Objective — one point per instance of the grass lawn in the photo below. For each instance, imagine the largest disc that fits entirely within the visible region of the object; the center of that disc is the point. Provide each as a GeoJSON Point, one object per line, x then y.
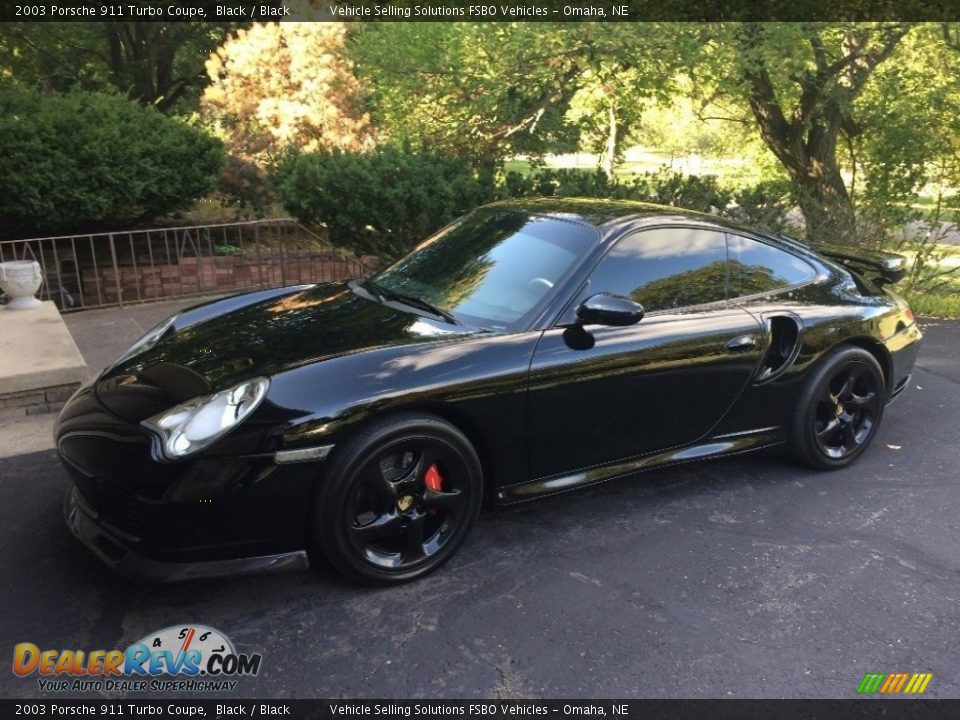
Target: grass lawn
{"type": "Point", "coordinates": [639, 161]}
{"type": "Point", "coordinates": [943, 301]}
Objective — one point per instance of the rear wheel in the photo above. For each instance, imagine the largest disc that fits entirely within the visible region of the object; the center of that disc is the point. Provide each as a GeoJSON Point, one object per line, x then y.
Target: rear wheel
{"type": "Point", "coordinates": [840, 409]}
{"type": "Point", "coordinates": [398, 499]}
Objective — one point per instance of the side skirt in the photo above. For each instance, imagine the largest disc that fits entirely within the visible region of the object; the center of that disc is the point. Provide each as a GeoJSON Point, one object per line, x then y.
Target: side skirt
{"type": "Point", "coordinates": [713, 447]}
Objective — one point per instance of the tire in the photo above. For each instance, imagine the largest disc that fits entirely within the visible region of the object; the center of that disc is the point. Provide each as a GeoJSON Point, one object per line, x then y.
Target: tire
{"type": "Point", "coordinates": [839, 410]}
{"type": "Point", "coordinates": [398, 499]}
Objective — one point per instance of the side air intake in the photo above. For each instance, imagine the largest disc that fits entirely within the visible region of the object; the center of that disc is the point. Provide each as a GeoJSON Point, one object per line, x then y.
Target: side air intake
{"type": "Point", "coordinates": [783, 333]}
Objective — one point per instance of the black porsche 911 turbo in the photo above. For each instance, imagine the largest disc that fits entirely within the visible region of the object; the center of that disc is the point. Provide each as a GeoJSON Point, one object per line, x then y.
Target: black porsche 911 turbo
{"type": "Point", "coordinates": [529, 348]}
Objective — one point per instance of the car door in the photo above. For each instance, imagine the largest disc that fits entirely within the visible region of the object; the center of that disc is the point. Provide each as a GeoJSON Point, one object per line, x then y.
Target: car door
{"type": "Point", "coordinates": [602, 394]}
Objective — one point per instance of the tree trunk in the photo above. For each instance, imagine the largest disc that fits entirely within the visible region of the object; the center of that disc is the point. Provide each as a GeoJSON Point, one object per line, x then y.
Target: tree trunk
{"type": "Point", "coordinates": [610, 150]}
{"type": "Point", "coordinates": [809, 155]}
{"type": "Point", "coordinates": [826, 206]}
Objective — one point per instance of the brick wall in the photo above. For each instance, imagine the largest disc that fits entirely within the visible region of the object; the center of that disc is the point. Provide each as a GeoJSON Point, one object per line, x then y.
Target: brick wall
{"type": "Point", "coordinates": [34, 402]}
{"type": "Point", "coordinates": [212, 274]}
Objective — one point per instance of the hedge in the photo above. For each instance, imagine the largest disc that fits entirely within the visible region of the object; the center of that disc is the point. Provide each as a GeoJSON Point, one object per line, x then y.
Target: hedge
{"type": "Point", "coordinates": [78, 161]}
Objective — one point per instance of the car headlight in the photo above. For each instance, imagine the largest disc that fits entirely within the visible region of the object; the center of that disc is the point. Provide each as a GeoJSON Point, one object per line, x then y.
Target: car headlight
{"type": "Point", "coordinates": [192, 426]}
{"type": "Point", "coordinates": [148, 340]}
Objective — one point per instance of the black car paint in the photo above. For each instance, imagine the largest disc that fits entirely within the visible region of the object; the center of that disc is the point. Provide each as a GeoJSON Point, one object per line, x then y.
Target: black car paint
{"type": "Point", "coordinates": [545, 413]}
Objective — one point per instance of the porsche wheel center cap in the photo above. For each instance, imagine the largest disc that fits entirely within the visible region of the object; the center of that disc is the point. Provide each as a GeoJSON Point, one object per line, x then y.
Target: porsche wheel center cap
{"type": "Point", "coordinates": [405, 503]}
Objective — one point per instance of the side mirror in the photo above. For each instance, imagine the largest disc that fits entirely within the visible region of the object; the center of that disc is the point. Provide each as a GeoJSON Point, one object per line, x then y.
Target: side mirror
{"type": "Point", "coordinates": [609, 309]}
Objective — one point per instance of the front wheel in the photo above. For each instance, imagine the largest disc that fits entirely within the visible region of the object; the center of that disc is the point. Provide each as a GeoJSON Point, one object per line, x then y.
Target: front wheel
{"type": "Point", "coordinates": [840, 409]}
{"type": "Point", "coordinates": [398, 499]}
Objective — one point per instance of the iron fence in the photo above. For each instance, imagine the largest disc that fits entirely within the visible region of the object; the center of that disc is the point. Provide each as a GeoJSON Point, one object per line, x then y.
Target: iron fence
{"type": "Point", "coordinates": [109, 269]}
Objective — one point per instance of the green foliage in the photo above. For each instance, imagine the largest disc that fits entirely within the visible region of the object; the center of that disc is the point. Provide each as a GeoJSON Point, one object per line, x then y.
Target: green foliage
{"type": "Point", "coordinates": [562, 182]}
{"type": "Point", "coordinates": [383, 202]}
{"type": "Point", "coordinates": [155, 63]}
{"type": "Point", "coordinates": [907, 138]}
{"type": "Point", "coordinates": [801, 82]}
{"type": "Point", "coordinates": [480, 91]}
{"type": "Point", "coordinates": [939, 305]}
{"type": "Point", "coordinates": [765, 205]}
{"type": "Point", "coordinates": [687, 191]}
{"type": "Point", "coordinates": [664, 187]}
{"type": "Point", "coordinates": [228, 249]}
{"type": "Point", "coordinates": [80, 160]}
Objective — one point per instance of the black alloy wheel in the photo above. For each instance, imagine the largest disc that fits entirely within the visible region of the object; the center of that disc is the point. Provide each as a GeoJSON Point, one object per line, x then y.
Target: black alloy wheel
{"type": "Point", "coordinates": [840, 409]}
{"type": "Point", "coordinates": [846, 412]}
{"type": "Point", "coordinates": [398, 500]}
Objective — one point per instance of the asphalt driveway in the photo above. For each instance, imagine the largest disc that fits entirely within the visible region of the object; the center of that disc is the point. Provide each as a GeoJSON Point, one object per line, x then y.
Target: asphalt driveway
{"type": "Point", "coordinates": [749, 577]}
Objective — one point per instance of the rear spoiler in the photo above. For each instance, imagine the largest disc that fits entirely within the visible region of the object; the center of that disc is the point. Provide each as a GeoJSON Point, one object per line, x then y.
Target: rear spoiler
{"type": "Point", "coordinates": [877, 265]}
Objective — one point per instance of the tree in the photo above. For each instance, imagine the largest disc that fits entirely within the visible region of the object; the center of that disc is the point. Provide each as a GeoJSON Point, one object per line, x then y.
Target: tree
{"type": "Point", "coordinates": [801, 82]}
{"type": "Point", "coordinates": [481, 91]}
{"type": "Point", "coordinates": [280, 84]}
{"type": "Point", "coordinates": [157, 63]}
{"type": "Point", "coordinates": [154, 63]}
{"type": "Point", "coordinates": [475, 91]}
{"type": "Point", "coordinates": [909, 122]}
{"type": "Point", "coordinates": [607, 105]}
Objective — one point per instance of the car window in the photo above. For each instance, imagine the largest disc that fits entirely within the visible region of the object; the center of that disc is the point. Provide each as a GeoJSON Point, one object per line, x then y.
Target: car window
{"type": "Point", "coordinates": [664, 268]}
{"type": "Point", "coordinates": [756, 267]}
{"type": "Point", "coordinates": [492, 269]}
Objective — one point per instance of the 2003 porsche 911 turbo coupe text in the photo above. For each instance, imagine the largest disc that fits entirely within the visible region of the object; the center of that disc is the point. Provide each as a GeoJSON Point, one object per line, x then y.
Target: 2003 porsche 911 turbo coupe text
{"type": "Point", "coordinates": [529, 348]}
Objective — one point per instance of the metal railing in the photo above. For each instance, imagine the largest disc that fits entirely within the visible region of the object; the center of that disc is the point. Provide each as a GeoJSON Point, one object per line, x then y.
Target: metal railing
{"type": "Point", "coordinates": [116, 268]}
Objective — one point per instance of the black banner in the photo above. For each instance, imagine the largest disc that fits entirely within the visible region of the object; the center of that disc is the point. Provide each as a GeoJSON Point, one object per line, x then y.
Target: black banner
{"type": "Point", "coordinates": [478, 11]}
{"type": "Point", "coordinates": [858, 709]}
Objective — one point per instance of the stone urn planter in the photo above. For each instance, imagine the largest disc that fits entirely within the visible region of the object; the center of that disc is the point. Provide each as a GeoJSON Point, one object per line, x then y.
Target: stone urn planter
{"type": "Point", "coordinates": [20, 280]}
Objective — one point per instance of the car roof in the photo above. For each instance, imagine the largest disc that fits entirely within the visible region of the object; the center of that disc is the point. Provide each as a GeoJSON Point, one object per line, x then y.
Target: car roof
{"type": "Point", "coordinates": [609, 215]}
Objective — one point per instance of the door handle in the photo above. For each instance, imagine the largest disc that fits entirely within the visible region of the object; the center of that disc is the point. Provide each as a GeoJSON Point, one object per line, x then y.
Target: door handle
{"type": "Point", "coordinates": [742, 343]}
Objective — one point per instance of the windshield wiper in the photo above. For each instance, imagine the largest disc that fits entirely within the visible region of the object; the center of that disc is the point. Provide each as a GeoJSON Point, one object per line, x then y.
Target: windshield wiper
{"type": "Point", "coordinates": [371, 287]}
{"type": "Point", "coordinates": [412, 300]}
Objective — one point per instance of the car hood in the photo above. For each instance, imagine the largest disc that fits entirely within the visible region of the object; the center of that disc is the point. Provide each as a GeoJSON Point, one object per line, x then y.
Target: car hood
{"type": "Point", "coordinates": [261, 339]}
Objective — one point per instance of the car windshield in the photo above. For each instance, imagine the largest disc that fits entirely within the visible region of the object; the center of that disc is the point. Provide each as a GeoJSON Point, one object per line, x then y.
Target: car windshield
{"type": "Point", "coordinates": [492, 269]}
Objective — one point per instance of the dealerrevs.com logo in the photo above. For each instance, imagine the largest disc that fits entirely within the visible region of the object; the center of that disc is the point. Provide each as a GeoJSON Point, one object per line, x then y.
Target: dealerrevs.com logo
{"type": "Point", "coordinates": [180, 657]}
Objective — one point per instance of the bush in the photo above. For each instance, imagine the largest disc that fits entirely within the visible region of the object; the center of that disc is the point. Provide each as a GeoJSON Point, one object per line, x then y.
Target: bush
{"type": "Point", "coordinates": [243, 185]}
{"type": "Point", "coordinates": [766, 205]}
{"type": "Point", "coordinates": [387, 201]}
{"type": "Point", "coordinates": [664, 187]}
{"type": "Point", "coordinates": [693, 192]}
{"type": "Point", "coordinates": [383, 202]}
{"type": "Point", "coordinates": [79, 161]}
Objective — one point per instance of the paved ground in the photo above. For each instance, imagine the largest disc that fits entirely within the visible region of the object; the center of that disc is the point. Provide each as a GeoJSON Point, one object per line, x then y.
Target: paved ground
{"type": "Point", "coordinates": [742, 578]}
{"type": "Point", "coordinates": [101, 336]}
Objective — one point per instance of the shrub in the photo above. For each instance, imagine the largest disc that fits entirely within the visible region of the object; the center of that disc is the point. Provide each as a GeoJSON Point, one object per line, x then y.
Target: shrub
{"type": "Point", "coordinates": [78, 161]}
{"type": "Point", "coordinates": [766, 205]}
{"type": "Point", "coordinates": [383, 202]}
{"type": "Point", "coordinates": [243, 185]}
{"type": "Point", "coordinates": [687, 191]}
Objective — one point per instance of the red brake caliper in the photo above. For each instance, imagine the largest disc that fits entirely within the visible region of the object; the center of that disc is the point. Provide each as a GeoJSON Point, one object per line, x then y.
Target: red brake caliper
{"type": "Point", "coordinates": [434, 481]}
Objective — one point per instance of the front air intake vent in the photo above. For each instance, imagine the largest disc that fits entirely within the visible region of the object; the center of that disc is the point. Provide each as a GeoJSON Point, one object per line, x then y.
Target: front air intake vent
{"type": "Point", "coordinates": [783, 333]}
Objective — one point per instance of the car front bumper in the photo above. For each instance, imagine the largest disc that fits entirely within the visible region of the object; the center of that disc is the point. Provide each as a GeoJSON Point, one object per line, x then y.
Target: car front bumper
{"type": "Point", "coordinates": [213, 514]}
{"type": "Point", "coordinates": [113, 550]}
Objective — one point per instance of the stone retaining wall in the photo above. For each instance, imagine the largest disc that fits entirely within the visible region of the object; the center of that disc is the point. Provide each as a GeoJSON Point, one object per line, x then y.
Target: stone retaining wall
{"type": "Point", "coordinates": [34, 402]}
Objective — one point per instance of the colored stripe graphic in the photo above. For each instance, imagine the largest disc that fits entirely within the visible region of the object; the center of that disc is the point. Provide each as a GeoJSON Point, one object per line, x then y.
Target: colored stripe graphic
{"type": "Point", "coordinates": [889, 683]}
{"type": "Point", "coordinates": [870, 683]}
{"type": "Point", "coordinates": [894, 683]}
